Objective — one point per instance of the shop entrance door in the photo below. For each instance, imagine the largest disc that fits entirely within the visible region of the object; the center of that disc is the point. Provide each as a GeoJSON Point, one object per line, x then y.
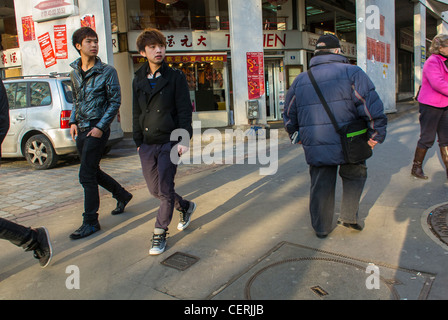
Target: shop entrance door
{"type": "Point", "coordinates": [272, 80]}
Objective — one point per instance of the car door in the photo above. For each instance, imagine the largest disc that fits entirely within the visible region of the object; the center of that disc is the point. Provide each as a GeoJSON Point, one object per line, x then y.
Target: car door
{"type": "Point", "coordinates": [18, 100]}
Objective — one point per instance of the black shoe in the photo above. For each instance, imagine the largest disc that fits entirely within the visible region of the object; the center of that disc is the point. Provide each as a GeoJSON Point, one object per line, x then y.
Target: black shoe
{"type": "Point", "coordinates": [321, 235]}
{"type": "Point", "coordinates": [354, 226]}
{"type": "Point", "coordinates": [43, 251]}
{"type": "Point", "coordinates": [121, 204]}
{"type": "Point", "coordinates": [85, 230]}
{"type": "Point", "coordinates": [185, 216]}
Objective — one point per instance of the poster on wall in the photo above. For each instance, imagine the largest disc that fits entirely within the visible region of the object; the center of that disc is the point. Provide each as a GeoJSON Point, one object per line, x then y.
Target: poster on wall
{"type": "Point", "coordinates": [47, 50]}
{"type": "Point", "coordinates": [88, 20]}
{"type": "Point", "coordinates": [255, 74]}
{"type": "Point", "coordinates": [29, 33]}
{"type": "Point", "coordinates": [60, 41]}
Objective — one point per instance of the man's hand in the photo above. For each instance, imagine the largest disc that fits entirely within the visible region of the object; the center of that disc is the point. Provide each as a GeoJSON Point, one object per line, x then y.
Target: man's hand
{"type": "Point", "coordinates": [95, 132]}
{"type": "Point", "coordinates": [181, 149]}
{"type": "Point", "coordinates": [74, 131]}
{"type": "Point", "coordinates": [372, 143]}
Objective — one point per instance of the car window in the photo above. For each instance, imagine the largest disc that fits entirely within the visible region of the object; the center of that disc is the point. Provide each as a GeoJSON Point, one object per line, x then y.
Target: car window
{"type": "Point", "coordinates": [40, 94]}
{"type": "Point", "coordinates": [68, 90]}
{"type": "Point", "coordinates": [16, 93]}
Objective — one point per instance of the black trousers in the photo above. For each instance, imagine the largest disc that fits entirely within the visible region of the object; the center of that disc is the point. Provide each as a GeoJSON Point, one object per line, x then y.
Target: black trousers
{"type": "Point", "coordinates": [433, 121]}
{"type": "Point", "coordinates": [159, 172]}
{"type": "Point", "coordinates": [15, 233]}
{"type": "Point", "coordinates": [322, 195]}
{"type": "Point", "coordinates": [90, 150]}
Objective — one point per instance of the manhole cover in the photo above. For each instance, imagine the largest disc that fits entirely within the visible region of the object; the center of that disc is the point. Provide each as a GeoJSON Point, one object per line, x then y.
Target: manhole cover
{"type": "Point", "coordinates": [296, 272]}
{"type": "Point", "coordinates": [180, 261]}
{"type": "Point", "coordinates": [438, 222]}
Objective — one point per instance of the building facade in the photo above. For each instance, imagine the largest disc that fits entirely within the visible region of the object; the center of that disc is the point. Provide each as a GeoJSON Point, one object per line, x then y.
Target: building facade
{"type": "Point", "coordinates": [234, 53]}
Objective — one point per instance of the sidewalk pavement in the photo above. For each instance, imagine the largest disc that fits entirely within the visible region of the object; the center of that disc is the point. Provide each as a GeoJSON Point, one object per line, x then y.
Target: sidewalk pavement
{"type": "Point", "coordinates": [250, 237]}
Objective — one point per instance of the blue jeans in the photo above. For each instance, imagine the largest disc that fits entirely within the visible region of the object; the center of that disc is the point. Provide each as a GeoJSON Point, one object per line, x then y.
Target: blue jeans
{"type": "Point", "coordinates": [90, 150]}
{"type": "Point", "coordinates": [159, 172]}
{"type": "Point", "coordinates": [322, 195]}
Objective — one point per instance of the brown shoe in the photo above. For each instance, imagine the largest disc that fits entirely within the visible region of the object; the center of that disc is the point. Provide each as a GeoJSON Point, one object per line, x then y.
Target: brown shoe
{"type": "Point", "coordinates": [417, 170]}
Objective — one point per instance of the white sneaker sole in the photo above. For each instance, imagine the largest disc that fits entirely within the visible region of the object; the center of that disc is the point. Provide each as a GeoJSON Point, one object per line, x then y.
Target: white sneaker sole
{"type": "Point", "coordinates": [181, 226]}
{"type": "Point", "coordinates": [156, 251]}
{"type": "Point", "coordinates": [51, 248]}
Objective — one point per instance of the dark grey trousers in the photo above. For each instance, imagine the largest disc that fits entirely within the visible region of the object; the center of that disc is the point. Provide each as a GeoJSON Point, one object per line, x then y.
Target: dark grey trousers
{"type": "Point", "coordinates": [322, 195]}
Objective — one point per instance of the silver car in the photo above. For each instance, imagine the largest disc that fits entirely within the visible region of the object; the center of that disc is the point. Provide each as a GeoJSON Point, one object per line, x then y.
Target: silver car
{"type": "Point", "coordinates": [39, 111]}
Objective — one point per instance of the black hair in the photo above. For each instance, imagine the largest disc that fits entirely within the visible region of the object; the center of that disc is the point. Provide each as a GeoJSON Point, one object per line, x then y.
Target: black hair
{"type": "Point", "coordinates": [82, 33]}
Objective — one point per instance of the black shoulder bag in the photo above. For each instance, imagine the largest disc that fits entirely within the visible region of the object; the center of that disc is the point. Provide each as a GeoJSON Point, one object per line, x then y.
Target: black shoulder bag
{"type": "Point", "coordinates": [353, 135]}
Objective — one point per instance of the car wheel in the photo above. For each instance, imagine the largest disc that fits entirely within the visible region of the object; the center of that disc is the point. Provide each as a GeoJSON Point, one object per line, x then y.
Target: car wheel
{"type": "Point", "coordinates": [40, 153]}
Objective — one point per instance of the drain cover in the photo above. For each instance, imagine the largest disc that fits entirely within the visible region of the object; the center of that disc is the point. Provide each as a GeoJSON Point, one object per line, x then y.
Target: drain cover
{"type": "Point", "coordinates": [319, 291]}
{"type": "Point", "coordinates": [437, 221]}
{"type": "Point", "coordinates": [180, 261]}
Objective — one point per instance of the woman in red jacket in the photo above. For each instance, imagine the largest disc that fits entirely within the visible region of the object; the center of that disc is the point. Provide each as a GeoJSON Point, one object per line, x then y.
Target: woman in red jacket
{"type": "Point", "coordinates": [433, 99]}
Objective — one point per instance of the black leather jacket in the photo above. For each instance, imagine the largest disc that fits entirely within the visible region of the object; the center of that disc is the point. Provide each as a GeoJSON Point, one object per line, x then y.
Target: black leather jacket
{"type": "Point", "coordinates": [96, 96]}
{"type": "Point", "coordinates": [158, 112]}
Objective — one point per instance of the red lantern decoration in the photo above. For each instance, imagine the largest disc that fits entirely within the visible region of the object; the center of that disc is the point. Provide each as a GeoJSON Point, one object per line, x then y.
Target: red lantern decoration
{"type": "Point", "coordinates": [277, 2]}
{"type": "Point", "coordinates": [167, 2]}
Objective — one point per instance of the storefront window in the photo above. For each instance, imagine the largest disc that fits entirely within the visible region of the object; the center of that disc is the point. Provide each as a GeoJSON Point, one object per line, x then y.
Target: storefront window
{"type": "Point", "coordinates": [178, 14]}
{"type": "Point", "coordinates": [10, 60]}
{"type": "Point", "coordinates": [205, 75]}
{"type": "Point", "coordinates": [277, 14]}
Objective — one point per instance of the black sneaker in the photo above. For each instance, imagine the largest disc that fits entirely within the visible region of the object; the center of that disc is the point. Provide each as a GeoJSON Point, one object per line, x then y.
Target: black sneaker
{"type": "Point", "coordinates": [121, 204]}
{"type": "Point", "coordinates": [43, 252]}
{"type": "Point", "coordinates": [158, 244]}
{"type": "Point", "coordinates": [185, 216]}
{"type": "Point", "coordinates": [85, 230]}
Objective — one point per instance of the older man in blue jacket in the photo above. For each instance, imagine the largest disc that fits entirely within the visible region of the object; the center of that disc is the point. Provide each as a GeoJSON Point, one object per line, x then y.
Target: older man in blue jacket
{"type": "Point", "coordinates": [350, 95]}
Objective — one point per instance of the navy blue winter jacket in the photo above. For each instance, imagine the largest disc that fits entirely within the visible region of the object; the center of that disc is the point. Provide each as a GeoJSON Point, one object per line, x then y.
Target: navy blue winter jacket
{"type": "Point", "coordinates": [350, 94]}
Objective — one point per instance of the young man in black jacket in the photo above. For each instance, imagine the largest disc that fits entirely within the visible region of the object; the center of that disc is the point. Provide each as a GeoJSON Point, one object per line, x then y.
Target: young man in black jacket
{"type": "Point", "coordinates": [161, 104]}
{"type": "Point", "coordinates": [96, 100]}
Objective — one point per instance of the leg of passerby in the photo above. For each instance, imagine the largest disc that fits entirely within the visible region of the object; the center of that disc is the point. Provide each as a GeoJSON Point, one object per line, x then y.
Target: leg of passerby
{"type": "Point", "coordinates": [90, 150]}
{"type": "Point", "coordinates": [429, 121]}
{"type": "Point", "coordinates": [442, 134]}
{"type": "Point", "coordinates": [110, 184]}
{"type": "Point", "coordinates": [37, 240]}
{"type": "Point", "coordinates": [354, 177]}
{"type": "Point", "coordinates": [159, 173]}
{"type": "Point", "coordinates": [322, 197]}
{"type": "Point", "coordinates": [118, 192]}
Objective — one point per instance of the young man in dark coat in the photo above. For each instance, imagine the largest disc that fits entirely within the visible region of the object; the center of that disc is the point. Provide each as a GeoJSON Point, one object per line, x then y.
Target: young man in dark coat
{"type": "Point", "coordinates": [161, 104]}
{"type": "Point", "coordinates": [37, 240]}
{"type": "Point", "coordinates": [350, 95]}
{"type": "Point", "coordinates": [96, 101]}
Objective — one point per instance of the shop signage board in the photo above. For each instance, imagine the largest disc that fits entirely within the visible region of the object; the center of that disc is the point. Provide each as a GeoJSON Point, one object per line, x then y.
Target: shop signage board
{"type": "Point", "coordinates": [10, 58]}
{"type": "Point", "coordinates": [220, 41]}
{"type": "Point", "coordinates": [44, 10]}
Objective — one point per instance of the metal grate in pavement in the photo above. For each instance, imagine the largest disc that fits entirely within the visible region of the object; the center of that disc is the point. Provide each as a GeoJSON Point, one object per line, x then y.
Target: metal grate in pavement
{"type": "Point", "coordinates": [180, 261]}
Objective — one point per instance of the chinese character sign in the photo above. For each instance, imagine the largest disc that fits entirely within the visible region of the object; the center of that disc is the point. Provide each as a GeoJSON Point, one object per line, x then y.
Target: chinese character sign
{"type": "Point", "coordinates": [255, 74]}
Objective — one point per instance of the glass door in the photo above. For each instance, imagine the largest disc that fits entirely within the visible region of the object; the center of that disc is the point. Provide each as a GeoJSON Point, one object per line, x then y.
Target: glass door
{"type": "Point", "coordinates": [272, 78]}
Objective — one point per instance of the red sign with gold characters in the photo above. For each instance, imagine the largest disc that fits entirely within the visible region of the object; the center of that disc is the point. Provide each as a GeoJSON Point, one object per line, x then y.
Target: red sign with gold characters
{"type": "Point", "coordinates": [255, 74]}
{"type": "Point", "coordinates": [28, 28]}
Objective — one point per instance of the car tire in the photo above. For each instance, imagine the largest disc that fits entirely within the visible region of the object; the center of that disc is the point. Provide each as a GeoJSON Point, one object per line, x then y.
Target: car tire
{"type": "Point", "coordinates": [39, 152]}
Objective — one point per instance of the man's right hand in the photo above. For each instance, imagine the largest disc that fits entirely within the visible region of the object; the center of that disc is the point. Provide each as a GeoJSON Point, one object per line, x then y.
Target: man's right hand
{"type": "Point", "coordinates": [74, 131]}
